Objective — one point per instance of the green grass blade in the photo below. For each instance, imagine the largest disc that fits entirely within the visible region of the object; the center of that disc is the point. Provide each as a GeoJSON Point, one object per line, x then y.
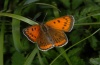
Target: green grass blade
{"type": "Point", "coordinates": [6, 3]}
{"type": "Point", "coordinates": [2, 42]}
{"type": "Point", "coordinates": [96, 23]}
{"type": "Point", "coordinates": [16, 31]}
{"type": "Point", "coordinates": [61, 50]}
{"type": "Point", "coordinates": [19, 18]}
{"type": "Point", "coordinates": [31, 57]}
{"type": "Point", "coordinates": [55, 11]}
{"type": "Point", "coordinates": [74, 45]}
{"type": "Point", "coordinates": [16, 34]}
{"type": "Point", "coordinates": [40, 59]}
{"type": "Point", "coordinates": [88, 16]}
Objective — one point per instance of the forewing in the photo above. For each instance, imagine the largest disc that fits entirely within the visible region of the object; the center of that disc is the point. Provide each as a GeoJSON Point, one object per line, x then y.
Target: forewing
{"type": "Point", "coordinates": [64, 23]}
{"type": "Point", "coordinates": [32, 32]}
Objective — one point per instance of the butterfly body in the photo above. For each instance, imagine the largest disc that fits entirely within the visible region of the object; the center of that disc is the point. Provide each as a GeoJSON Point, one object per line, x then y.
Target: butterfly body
{"type": "Point", "coordinates": [51, 34]}
{"type": "Point", "coordinates": [45, 29]}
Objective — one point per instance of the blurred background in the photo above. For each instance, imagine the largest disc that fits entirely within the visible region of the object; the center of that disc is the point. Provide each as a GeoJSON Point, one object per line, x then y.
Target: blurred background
{"type": "Point", "coordinates": [83, 47]}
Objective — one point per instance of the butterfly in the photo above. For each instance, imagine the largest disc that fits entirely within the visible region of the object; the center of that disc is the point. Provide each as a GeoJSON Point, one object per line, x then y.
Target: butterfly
{"type": "Point", "coordinates": [51, 34]}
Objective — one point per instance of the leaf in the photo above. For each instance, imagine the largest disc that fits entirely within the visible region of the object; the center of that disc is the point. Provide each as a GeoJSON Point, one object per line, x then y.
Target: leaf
{"type": "Point", "coordinates": [18, 59]}
{"type": "Point", "coordinates": [51, 54]}
{"type": "Point", "coordinates": [60, 61]}
{"type": "Point", "coordinates": [95, 61]}
{"type": "Point", "coordinates": [74, 51]}
{"type": "Point", "coordinates": [77, 61]}
{"type": "Point", "coordinates": [74, 37]}
{"type": "Point", "coordinates": [89, 2]}
{"type": "Point", "coordinates": [98, 1]}
{"type": "Point", "coordinates": [76, 3]}
{"type": "Point", "coordinates": [97, 18]}
{"type": "Point", "coordinates": [89, 9]}
{"type": "Point", "coordinates": [66, 3]}
{"type": "Point", "coordinates": [93, 42]}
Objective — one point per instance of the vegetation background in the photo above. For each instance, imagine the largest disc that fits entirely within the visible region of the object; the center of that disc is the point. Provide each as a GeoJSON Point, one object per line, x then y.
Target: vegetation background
{"type": "Point", "coordinates": [84, 40]}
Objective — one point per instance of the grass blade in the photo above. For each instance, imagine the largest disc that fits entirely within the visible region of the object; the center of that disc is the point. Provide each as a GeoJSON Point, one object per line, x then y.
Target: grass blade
{"type": "Point", "coordinates": [2, 42]}
{"type": "Point", "coordinates": [19, 18]}
{"type": "Point", "coordinates": [61, 50]}
{"type": "Point", "coordinates": [40, 59]}
{"type": "Point", "coordinates": [31, 57]}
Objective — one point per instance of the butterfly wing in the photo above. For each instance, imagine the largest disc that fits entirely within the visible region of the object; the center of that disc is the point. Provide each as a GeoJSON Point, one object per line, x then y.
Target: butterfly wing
{"type": "Point", "coordinates": [43, 41]}
{"type": "Point", "coordinates": [64, 23]}
{"type": "Point", "coordinates": [59, 37]}
{"type": "Point", "coordinates": [32, 32]}
{"type": "Point", "coordinates": [35, 34]}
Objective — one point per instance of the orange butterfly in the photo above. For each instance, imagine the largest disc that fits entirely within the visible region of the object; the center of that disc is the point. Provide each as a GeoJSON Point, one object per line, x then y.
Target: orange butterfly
{"type": "Point", "coordinates": [51, 34]}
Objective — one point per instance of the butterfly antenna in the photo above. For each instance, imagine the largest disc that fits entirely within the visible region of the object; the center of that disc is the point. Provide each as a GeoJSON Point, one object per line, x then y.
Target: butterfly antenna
{"type": "Point", "coordinates": [44, 17]}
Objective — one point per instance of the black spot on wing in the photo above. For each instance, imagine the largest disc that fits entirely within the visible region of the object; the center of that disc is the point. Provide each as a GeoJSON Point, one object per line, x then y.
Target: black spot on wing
{"type": "Point", "coordinates": [65, 18]}
{"type": "Point", "coordinates": [32, 29]}
{"type": "Point", "coordinates": [64, 24]}
{"type": "Point", "coordinates": [34, 36]}
{"type": "Point", "coordinates": [58, 21]}
{"type": "Point", "coordinates": [63, 27]}
{"type": "Point", "coordinates": [54, 22]}
{"type": "Point", "coordinates": [30, 34]}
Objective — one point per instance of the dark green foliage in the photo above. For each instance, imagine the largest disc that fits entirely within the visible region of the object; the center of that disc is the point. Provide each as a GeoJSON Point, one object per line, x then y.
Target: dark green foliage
{"type": "Point", "coordinates": [18, 59]}
{"type": "Point", "coordinates": [95, 61]}
{"type": "Point", "coordinates": [84, 40]}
